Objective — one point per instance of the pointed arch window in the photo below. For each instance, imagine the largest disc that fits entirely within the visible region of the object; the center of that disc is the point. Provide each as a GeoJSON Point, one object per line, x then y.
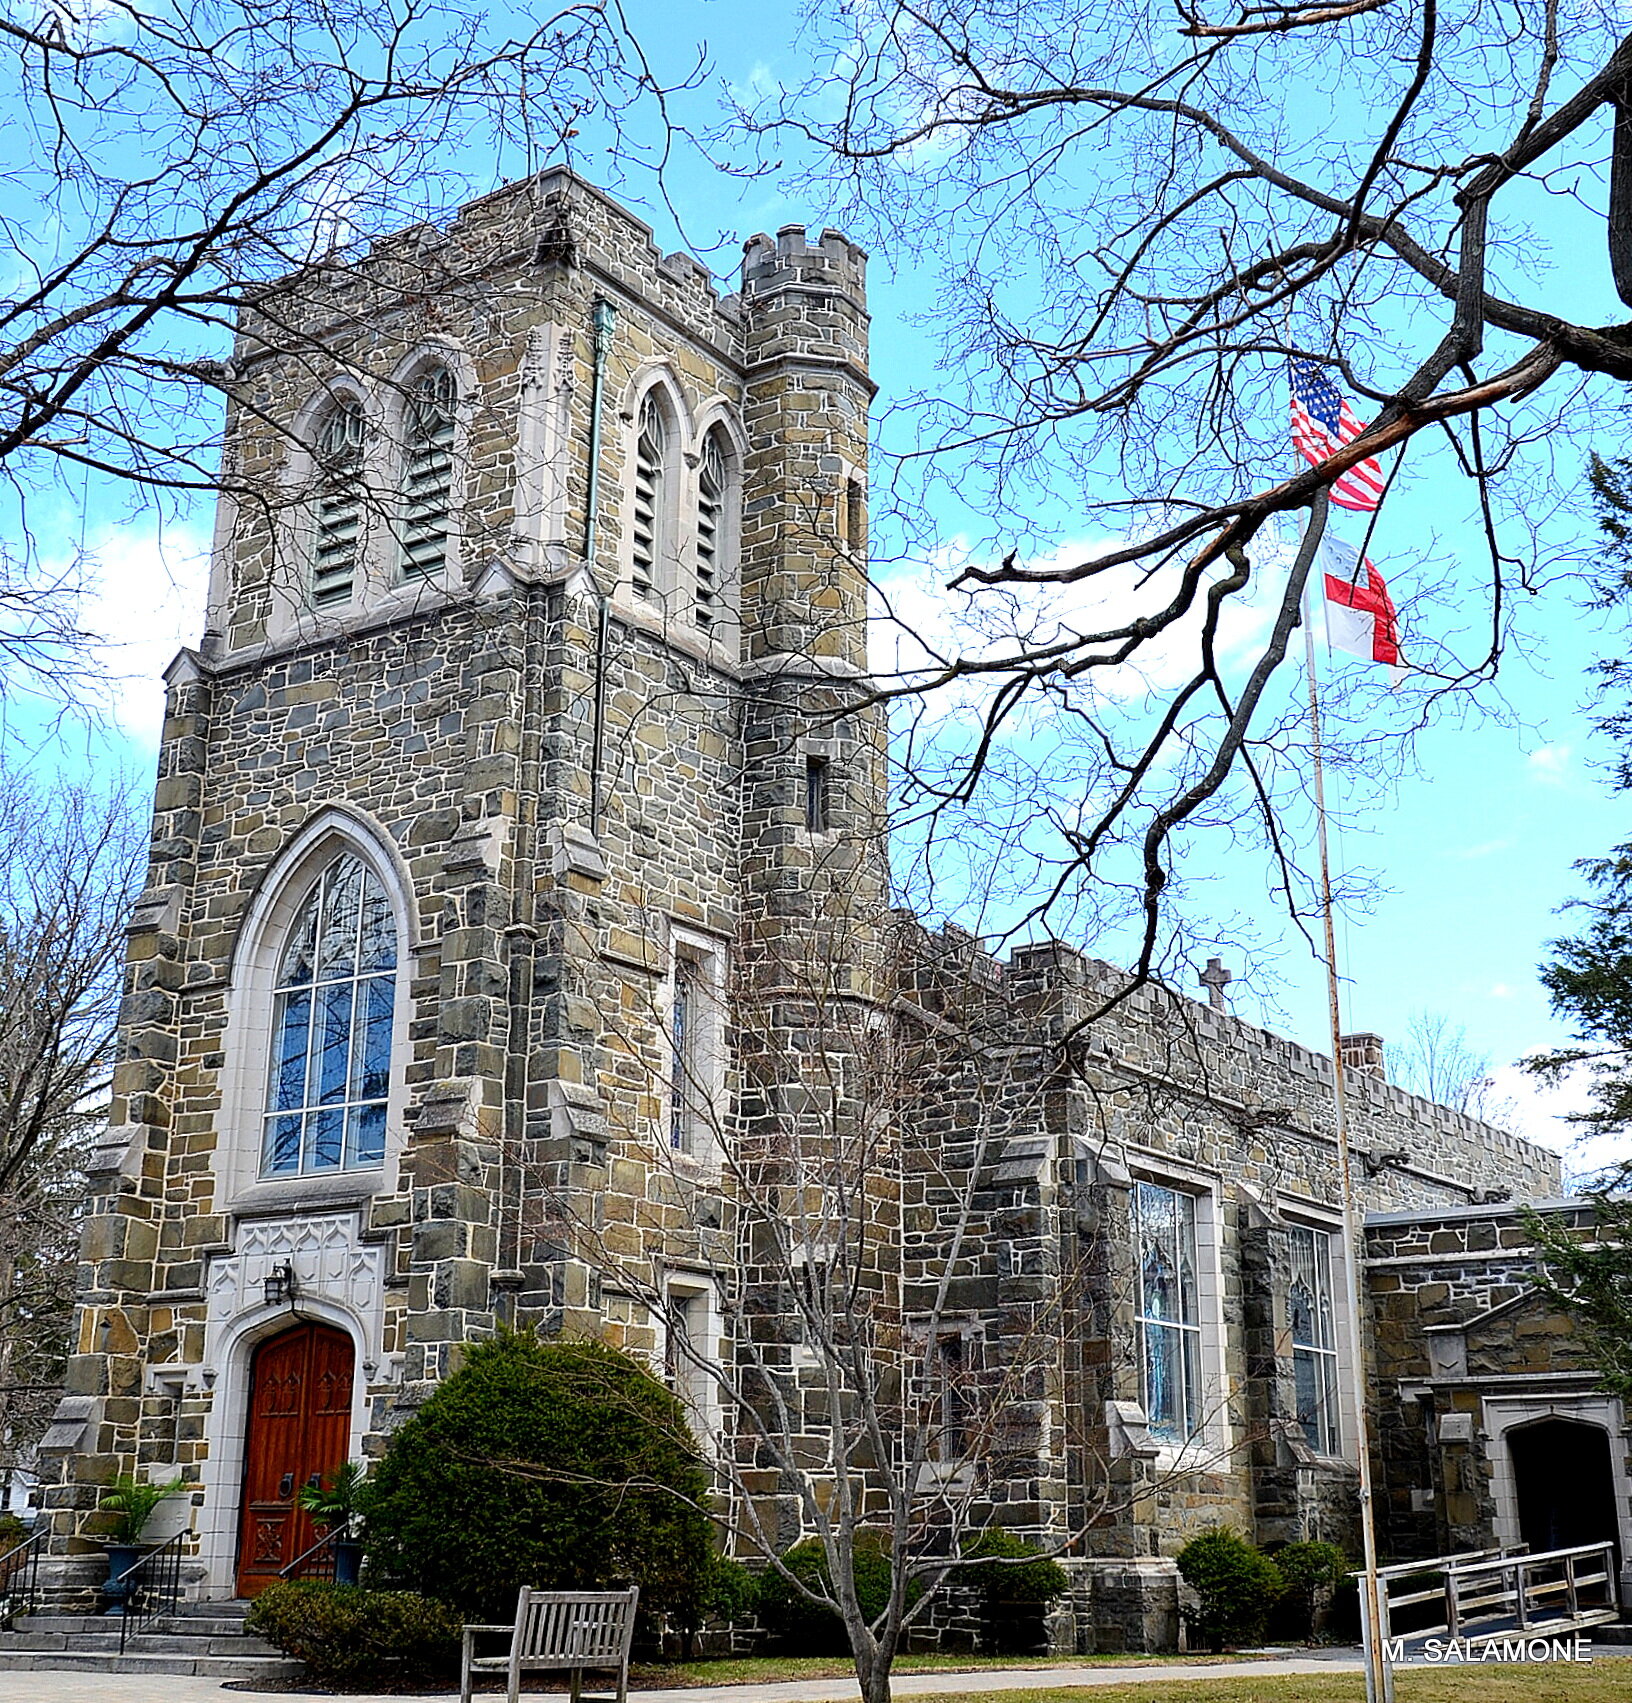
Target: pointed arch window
{"type": "Point", "coordinates": [1169, 1320]}
{"type": "Point", "coordinates": [337, 547]}
{"type": "Point", "coordinates": [708, 591]}
{"type": "Point", "coordinates": [651, 450]}
{"type": "Point", "coordinates": [427, 475]}
{"type": "Point", "coordinates": [331, 1029]}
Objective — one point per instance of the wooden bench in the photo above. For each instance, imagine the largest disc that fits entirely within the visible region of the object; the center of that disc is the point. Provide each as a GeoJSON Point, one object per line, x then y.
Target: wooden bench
{"type": "Point", "coordinates": [559, 1631]}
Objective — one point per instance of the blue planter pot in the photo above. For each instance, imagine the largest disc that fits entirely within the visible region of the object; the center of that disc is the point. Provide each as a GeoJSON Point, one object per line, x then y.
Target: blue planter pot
{"type": "Point", "coordinates": [121, 1558]}
{"type": "Point", "coordinates": [348, 1561]}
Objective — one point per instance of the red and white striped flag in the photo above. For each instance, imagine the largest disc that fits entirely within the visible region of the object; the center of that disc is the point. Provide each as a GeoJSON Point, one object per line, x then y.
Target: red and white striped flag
{"type": "Point", "coordinates": [1322, 422]}
{"type": "Point", "coordinates": [1360, 615]}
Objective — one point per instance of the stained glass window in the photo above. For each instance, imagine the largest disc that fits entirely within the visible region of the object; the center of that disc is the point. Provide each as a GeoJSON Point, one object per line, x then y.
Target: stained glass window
{"type": "Point", "coordinates": [331, 1031]}
{"type": "Point", "coordinates": [1314, 1337]}
{"type": "Point", "coordinates": [1169, 1320]}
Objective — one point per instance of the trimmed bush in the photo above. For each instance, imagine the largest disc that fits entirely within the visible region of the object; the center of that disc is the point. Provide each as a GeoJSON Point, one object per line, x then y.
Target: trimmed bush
{"type": "Point", "coordinates": [1237, 1586]}
{"type": "Point", "coordinates": [730, 1591]}
{"type": "Point", "coordinates": [1311, 1575]}
{"type": "Point", "coordinates": [799, 1627]}
{"type": "Point", "coordinates": [1016, 1586]}
{"type": "Point", "coordinates": [345, 1633]}
{"type": "Point", "coordinates": [561, 1465]}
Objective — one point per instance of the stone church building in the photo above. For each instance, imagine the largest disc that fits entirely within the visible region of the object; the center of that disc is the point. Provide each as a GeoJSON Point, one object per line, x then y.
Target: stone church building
{"type": "Point", "coordinates": [517, 866]}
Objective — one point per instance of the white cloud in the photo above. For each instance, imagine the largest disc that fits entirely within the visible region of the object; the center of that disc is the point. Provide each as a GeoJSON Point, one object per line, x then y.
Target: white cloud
{"type": "Point", "coordinates": [148, 601]}
{"type": "Point", "coordinates": [1541, 1112]}
{"type": "Point", "coordinates": [1486, 848]}
{"type": "Point", "coordinates": [1550, 764]}
{"type": "Point", "coordinates": [918, 622]}
{"type": "Point", "coordinates": [1500, 990]}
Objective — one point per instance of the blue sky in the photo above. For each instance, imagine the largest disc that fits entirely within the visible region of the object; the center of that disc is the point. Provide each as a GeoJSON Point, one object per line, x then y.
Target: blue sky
{"type": "Point", "coordinates": [1471, 850]}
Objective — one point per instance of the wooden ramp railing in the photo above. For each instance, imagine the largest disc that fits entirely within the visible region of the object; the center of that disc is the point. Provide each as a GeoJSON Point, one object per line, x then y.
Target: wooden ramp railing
{"type": "Point", "coordinates": [1499, 1593]}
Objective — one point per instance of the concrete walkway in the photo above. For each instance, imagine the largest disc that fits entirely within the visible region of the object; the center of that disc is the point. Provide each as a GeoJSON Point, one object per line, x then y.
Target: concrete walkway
{"type": "Point", "coordinates": [167, 1688]}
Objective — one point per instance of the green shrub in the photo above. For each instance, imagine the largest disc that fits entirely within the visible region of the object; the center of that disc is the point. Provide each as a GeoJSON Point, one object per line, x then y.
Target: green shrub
{"type": "Point", "coordinates": [346, 1632]}
{"type": "Point", "coordinates": [1237, 1585]}
{"type": "Point", "coordinates": [799, 1627]}
{"type": "Point", "coordinates": [730, 1591]}
{"type": "Point", "coordinates": [562, 1465]}
{"type": "Point", "coordinates": [12, 1532]}
{"type": "Point", "coordinates": [1016, 1586]}
{"type": "Point", "coordinates": [1311, 1575]}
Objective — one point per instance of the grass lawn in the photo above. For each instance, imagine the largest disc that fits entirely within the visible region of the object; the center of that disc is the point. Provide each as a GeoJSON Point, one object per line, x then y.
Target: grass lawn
{"type": "Point", "coordinates": [769, 1670]}
{"type": "Point", "coordinates": [1608, 1680]}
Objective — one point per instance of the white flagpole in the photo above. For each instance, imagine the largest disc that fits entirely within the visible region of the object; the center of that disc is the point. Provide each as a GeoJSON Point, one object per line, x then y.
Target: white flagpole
{"type": "Point", "coordinates": [1379, 1672]}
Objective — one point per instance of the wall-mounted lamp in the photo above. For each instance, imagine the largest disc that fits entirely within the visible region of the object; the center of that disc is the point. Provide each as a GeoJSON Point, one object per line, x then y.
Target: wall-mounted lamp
{"type": "Point", "coordinates": [281, 1286]}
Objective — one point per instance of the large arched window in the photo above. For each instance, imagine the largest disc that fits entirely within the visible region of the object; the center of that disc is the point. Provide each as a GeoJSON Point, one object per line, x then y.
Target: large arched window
{"type": "Point", "coordinates": [337, 545]}
{"type": "Point", "coordinates": [427, 475]}
{"type": "Point", "coordinates": [331, 1029]}
{"type": "Point", "coordinates": [651, 453]}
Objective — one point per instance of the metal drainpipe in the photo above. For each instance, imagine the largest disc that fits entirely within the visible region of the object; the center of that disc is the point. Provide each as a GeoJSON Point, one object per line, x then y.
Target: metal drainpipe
{"type": "Point", "coordinates": [602, 317]}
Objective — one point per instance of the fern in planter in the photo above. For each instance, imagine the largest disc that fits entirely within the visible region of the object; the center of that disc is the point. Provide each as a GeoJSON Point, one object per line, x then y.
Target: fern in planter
{"type": "Point", "coordinates": [342, 1502]}
{"type": "Point", "coordinates": [135, 1501]}
{"type": "Point", "coordinates": [341, 1507]}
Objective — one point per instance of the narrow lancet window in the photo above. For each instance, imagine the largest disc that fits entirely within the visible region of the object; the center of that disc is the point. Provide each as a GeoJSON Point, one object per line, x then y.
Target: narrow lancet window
{"type": "Point", "coordinates": [337, 548]}
{"type": "Point", "coordinates": [427, 476]}
{"type": "Point", "coordinates": [648, 503]}
{"type": "Point", "coordinates": [711, 487]}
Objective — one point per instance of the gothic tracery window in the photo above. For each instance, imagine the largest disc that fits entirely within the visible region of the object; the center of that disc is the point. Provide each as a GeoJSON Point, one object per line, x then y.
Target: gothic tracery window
{"type": "Point", "coordinates": [1314, 1337]}
{"type": "Point", "coordinates": [331, 1030]}
{"type": "Point", "coordinates": [337, 545]}
{"type": "Point", "coordinates": [427, 475]}
{"type": "Point", "coordinates": [1169, 1321]}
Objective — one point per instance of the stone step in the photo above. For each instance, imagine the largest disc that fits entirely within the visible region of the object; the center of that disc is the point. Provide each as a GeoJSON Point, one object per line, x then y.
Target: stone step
{"type": "Point", "coordinates": [203, 1666]}
{"type": "Point", "coordinates": [196, 1619]}
{"type": "Point", "coordinates": [224, 1608]}
{"type": "Point", "coordinates": [101, 1639]}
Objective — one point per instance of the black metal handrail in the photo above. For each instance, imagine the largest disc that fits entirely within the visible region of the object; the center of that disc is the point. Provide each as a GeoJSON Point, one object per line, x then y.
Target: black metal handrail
{"type": "Point", "coordinates": [20, 1577]}
{"type": "Point", "coordinates": [318, 1562]}
{"type": "Point", "coordinates": [155, 1587]}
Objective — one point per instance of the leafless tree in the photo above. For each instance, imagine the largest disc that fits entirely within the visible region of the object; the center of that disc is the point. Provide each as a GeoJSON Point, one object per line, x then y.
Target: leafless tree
{"type": "Point", "coordinates": [1436, 1060]}
{"type": "Point", "coordinates": [1136, 217]}
{"type": "Point", "coordinates": [162, 166]}
{"type": "Point", "coordinates": [885, 1346]}
{"type": "Point", "coordinates": [70, 861]}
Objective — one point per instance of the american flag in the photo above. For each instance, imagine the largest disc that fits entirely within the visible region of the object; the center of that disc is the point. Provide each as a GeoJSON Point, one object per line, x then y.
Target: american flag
{"type": "Point", "coordinates": [1323, 422]}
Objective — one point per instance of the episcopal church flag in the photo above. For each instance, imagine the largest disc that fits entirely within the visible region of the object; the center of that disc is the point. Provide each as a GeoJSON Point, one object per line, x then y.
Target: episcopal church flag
{"type": "Point", "coordinates": [1360, 616]}
{"type": "Point", "coordinates": [1322, 422]}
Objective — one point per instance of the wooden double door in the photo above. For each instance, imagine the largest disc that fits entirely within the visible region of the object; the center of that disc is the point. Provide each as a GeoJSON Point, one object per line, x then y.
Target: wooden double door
{"type": "Point", "coordinates": [299, 1432]}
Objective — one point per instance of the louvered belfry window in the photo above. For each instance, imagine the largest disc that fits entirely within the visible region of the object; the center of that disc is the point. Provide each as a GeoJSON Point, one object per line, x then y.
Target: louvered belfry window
{"type": "Point", "coordinates": [338, 544]}
{"type": "Point", "coordinates": [427, 476]}
{"type": "Point", "coordinates": [649, 454]}
{"type": "Point", "coordinates": [705, 609]}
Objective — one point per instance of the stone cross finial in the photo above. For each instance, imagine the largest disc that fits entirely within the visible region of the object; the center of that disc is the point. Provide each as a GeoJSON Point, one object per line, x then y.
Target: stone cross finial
{"type": "Point", "coordinates": [1215, 978]}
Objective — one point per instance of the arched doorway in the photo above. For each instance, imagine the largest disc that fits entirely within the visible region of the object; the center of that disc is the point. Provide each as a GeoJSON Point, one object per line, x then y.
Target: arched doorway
{"type": "Point", "coordinates": [1563, 1484]}
{"type": "Point", "coordinates": [299, 1429]}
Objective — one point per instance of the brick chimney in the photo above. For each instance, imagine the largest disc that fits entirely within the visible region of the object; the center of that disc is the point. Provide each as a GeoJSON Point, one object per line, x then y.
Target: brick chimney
{"type": "Point", "coordinates": [1362, 1053]}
